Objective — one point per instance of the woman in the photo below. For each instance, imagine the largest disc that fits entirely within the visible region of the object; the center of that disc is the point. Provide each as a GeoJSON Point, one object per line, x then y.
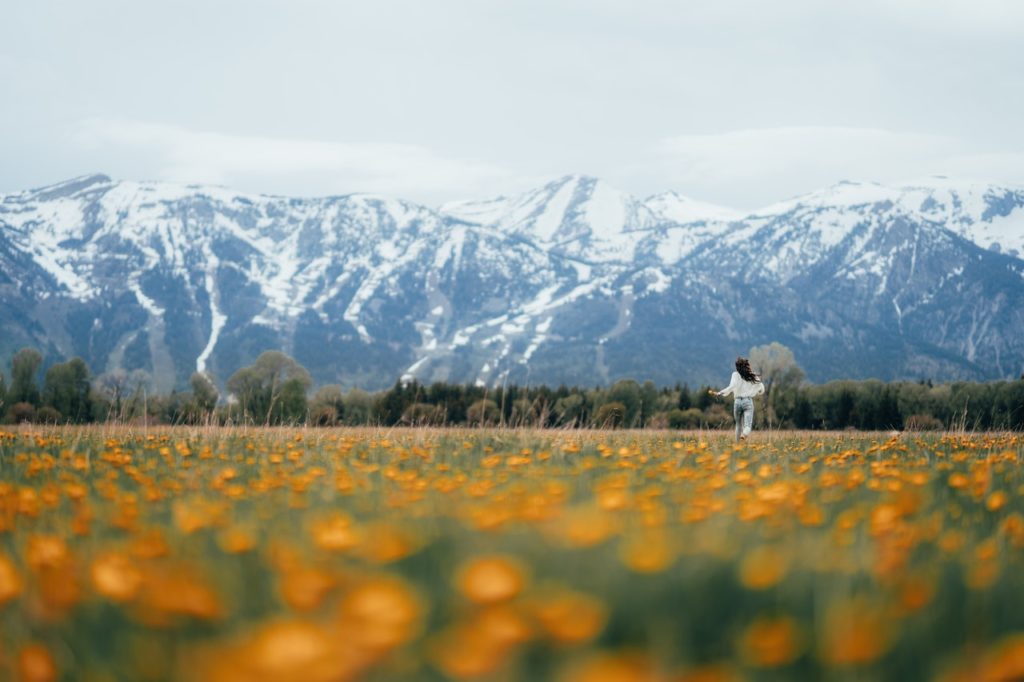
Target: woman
{"type": "Point", "coordinates": [744, 385]}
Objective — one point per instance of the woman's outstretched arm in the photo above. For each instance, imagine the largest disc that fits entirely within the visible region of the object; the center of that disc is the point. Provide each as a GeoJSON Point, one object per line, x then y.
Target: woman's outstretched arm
{"type": "Point", "coordinates": [733, 383]}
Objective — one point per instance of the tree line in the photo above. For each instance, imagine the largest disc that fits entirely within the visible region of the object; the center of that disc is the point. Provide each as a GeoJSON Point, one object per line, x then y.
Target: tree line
{"type": "Point", "coordinates": [276, 390]}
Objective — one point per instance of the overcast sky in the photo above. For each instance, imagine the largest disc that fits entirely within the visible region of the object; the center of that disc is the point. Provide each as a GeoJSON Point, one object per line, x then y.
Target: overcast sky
{"type": "Point", "coordinates": [736, 102]}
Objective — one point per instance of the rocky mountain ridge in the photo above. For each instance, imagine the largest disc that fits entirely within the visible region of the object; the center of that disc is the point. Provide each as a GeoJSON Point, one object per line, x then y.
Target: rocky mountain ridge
{"type": "Point", "coordinates": [572, 282]}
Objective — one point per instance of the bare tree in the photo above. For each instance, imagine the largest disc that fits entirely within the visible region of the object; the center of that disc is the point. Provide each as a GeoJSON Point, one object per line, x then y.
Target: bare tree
{"type": "Point", "coordinates": [778, 369]}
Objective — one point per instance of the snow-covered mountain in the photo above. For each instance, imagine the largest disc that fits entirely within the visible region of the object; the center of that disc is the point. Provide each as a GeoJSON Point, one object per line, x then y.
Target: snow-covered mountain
{"type": "Point", "coordinates": [572, 282]}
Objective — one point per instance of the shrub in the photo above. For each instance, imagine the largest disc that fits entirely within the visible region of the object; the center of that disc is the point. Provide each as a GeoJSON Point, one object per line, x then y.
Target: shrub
{"type": "Point", "coordinates": [482, 413]}
{"type": "Point", "coordinates": [717, 417]}
{"type": "Point", "coordinates": [610, 415]}
{"type": "Point", "coordinates": [525, 413]}
{"type": "Point", "coordinates": [47, 415]}
{"type": "Point", "coordinates": [423, 414]}
{"type": "Point", "coordinates": [923, 422]}
{"type": "Point", "coordinates": [658, 420]}
{"type": "Point", "coordinates": [20, 413]}
{"type": "Point", "coordinates": [690, 418]}
{"type": "Point", "coordinates": [324, 415]}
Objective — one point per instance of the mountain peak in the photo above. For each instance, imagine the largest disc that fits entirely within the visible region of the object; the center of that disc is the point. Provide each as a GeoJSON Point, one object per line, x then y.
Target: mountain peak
{"type": "Point", "coordinates": [577, 179]}
{"type": "Point", "coordinates": [567, 210]}
{"type": "Point", "coordinates": [570, 177]}
{"type": "Point", "coordinates": [70, 187]}
{"type": "Point", "coordinates": [676, 208]}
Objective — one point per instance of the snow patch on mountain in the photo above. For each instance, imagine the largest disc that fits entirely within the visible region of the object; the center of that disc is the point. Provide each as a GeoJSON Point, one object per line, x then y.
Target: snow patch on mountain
{"type": "Point", "coordinates": [217, 317]}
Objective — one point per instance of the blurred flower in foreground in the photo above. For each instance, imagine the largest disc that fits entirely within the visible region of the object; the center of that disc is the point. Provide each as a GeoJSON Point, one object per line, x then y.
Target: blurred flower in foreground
{"type": "Point", "coordinates": [483, 644]}
{"type": "Point", "coordinates": [1003, 662]}
{"type": "Point", "coordinates": [380, 614]}
{"type": "Point", "coordinates": [613, 667]}
{"type": "Point", "coordinates": [283, 651]}
{"type": "Point", "coordinates": [715, 672]}
{"type": "Point", "coordinates": [10, 580]}
{"type": "Point", "coordinates": [491, 579]}
{"type": "Point", "coordinates": [116, 577]}
{"type": "Point", "coordinates": [335, 533]}
{"type": "Point", "coordinates": [569, 617]}
{"type": "Point", "coordinates": [854, 632]}
{"type": "Point", "coordinates": [462, 652]}
{"type": "Point", "coordinates": [771, 642]}
{"type": "Point", "coordinates": [35, 664]}
{"type": "Point", "coordinates": [304, 588]}
{"type": "Point", "coordinates": [763, 567]}
{"type": "Point", "coordinates": [647, 552]}
{"type": "Point", "coordinates": [374, 618]}
{"type": "Point", "coordinates": [172, 591]}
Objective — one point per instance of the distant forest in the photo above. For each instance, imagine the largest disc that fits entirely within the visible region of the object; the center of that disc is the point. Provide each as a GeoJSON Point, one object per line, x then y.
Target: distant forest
{"type": "Point", "coordinates": [276, 390]}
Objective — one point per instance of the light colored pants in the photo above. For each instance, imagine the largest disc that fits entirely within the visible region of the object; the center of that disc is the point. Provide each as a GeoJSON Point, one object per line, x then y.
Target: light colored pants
{"type": "Point", "coordinates": [743, 413]}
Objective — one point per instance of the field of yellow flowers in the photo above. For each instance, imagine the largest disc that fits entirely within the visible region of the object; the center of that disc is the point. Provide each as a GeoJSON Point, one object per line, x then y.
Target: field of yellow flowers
{"type": "Point", "coordinates": [602, 556]}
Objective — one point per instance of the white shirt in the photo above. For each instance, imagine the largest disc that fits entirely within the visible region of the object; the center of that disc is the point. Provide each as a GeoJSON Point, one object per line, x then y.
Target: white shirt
{"type": "Point", "coordinates": [741, 388]}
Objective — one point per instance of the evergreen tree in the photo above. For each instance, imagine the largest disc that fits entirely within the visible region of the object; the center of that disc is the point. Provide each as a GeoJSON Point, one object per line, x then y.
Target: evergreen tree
{"type": "Point", "coordinates": [889, 410]}
{"type": "Point", "coordinates": [803, 415]}
{"type": "Point", "coordinates": [685, 402]}
{"type": "Point", "coordinates": [844, 409]}
{"type": "Point", "coordinates": [704, 399]}
{"type": "Point", "coordinates": [450, 398]}
{"type": "Point", "coordinates": [390, 406]}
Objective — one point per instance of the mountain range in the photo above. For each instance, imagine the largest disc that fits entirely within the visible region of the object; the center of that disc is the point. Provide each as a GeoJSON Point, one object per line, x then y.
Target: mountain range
{"type": "Point", "coordinates": [574, 282]}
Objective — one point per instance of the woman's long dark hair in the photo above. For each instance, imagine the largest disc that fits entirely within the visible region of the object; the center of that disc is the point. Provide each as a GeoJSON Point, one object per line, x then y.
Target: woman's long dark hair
{"type": "Point", "coordinates": [747, 374]}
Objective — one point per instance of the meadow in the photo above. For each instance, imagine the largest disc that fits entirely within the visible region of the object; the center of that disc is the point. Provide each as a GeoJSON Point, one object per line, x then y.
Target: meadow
{"type": "Point", "coordinates": [324, 555]}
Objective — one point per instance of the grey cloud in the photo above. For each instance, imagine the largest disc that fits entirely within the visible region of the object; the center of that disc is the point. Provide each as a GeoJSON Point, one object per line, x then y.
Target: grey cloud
{"type": "Point", "coordinates": [492, 93]}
